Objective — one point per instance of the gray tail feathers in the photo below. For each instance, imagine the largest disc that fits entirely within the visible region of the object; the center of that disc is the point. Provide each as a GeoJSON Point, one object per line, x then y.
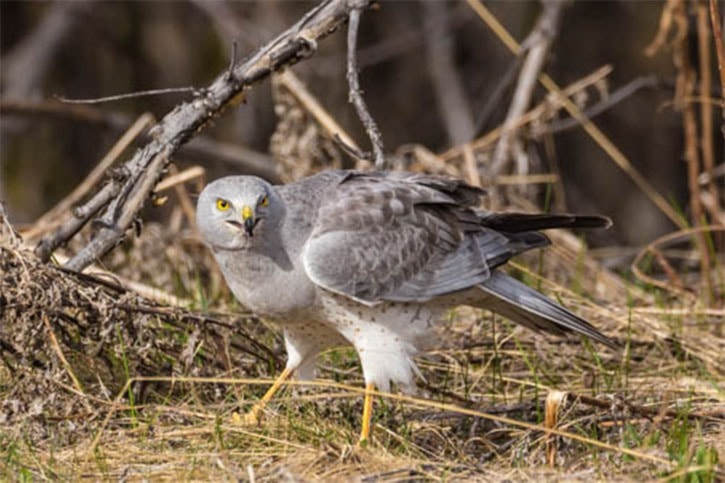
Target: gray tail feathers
{"type": "Point", "coordinates": [524, 305]}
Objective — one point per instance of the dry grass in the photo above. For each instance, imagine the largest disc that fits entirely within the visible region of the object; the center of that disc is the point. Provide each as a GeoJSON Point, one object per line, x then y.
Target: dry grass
{"type": "Point", "coordinates": [99, 382]}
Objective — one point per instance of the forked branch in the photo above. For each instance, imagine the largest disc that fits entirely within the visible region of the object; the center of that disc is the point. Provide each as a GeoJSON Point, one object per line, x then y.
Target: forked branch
{"type": "Point", "coordinates": [124, 194]}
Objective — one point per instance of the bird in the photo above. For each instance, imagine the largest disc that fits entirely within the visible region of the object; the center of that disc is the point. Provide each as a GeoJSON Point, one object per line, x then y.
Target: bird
{"type": "Point", "coordinates": [374, 260]}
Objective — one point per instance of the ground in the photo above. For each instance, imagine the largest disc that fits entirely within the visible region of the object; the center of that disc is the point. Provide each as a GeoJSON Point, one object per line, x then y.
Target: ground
{"type": "Point", "coordinates": [101, 382]}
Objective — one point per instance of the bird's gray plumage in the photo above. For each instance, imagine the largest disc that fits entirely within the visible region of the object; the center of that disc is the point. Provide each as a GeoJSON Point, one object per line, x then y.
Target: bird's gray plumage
{"type": "Point", "coordinates": [374, 260]}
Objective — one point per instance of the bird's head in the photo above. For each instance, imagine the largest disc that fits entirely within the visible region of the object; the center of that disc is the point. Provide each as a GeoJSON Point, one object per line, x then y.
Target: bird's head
{"type": "Point", "coordinates": [231, 211]}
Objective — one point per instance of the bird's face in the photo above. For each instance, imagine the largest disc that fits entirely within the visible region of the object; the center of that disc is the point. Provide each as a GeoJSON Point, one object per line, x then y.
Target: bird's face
{"type": "Point", "coordinates": [231, 211]}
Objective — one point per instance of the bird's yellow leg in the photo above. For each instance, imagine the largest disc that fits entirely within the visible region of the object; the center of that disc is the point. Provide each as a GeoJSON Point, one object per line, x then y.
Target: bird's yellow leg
{"type": "Point", "coordinates": [254, 414]}
{"type": "Point", "coordinates": [367, 413]}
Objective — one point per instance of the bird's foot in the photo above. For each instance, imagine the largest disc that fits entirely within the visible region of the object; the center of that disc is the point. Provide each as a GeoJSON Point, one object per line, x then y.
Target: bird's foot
{"type": "Point", "coordinates": [252, 418]}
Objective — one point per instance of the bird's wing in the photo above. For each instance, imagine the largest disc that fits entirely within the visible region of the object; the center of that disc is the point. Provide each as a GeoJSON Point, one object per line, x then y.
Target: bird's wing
{"type": "Point", "coordinates": [404, 237]}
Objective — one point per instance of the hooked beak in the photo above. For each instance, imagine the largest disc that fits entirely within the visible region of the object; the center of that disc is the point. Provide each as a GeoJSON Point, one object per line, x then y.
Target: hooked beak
{"type": "Point", "coordinates": [248, 218]}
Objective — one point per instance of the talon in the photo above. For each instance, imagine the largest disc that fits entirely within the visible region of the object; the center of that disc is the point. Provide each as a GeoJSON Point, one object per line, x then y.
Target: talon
{"type": "Point", "coordinates": [252, 418]}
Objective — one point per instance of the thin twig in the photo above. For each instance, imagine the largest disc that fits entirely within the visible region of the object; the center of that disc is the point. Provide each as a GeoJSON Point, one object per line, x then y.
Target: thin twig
{"type": "Point", "coordinates": [601, 139]}
{"type": "Point", "coordinates": [355, 95]}
{"type": "Point", "coordinates": [185, 202]}
{"type": "Point", "coordinates": [686, 78]}
{"type": "Point", "coordinates": [138, 176]}
{"type": "Point", "coordinates": [199, 149]}
{"type": "Point", "coordinates": [232, 61]}
{"type": "Point", "coordinates": [42, 225]}
{"type": "Point", "coordinates": [300, 92]}
{"type": "Point", "coordinates": [469, 162]}
{"type": "Point", "coordinates": [546, 106]}
{"type": "Point", "coordinates": [717, 31]}
{"type": "Point", "coordinates": [130, 95]}
{"type": "Point", "coordinates": [706, 142]}
{"type": "Point", "coordinates": [61, 356]}
{"type": "Point", "coordinates": [496, 96]}
{"type": "Point", "coordinates": [669, 238]}
{"type": "Point", "coordinates": [178, 178]}
{"type": "Point", "coordinates": [604, 105]}
{"type": "Point", "coordinates": [538, 44]}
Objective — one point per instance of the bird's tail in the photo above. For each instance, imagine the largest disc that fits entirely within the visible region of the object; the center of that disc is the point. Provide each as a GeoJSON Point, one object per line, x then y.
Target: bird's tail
{"type": "Point", "coordinates": [520, 222]}
{"type": "Point", "coordinates": [524, 305]}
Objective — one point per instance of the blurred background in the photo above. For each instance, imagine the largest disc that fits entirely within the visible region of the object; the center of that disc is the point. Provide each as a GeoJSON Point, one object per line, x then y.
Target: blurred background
{"type": "Point", "coordinates": [418, 61]}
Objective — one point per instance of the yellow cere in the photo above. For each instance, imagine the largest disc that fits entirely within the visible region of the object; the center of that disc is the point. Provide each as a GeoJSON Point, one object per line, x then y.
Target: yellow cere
{"type": "Point", "coordinates": [222, 205]}
{"type": "Point", "coordinates": [247, 213]}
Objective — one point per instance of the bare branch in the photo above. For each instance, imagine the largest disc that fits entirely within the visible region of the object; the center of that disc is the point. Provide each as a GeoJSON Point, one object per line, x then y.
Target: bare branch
{"type": "Point", "coordinates": [376, 139]}
{"type": "Point", "coordinates": [318, 112]}
{"type": "Point", "coordinates": [41, 225]}
{"type": "Point", "coordinates": [707, 143]}
{"type": "Point", "coordinates": [717, 30]}
{"type": "Point", "coordinates": [139, 175]}
{"type": "Point", "coordinates": [609, 102]}
{"type": "Point", "coordinates": [537, 44]}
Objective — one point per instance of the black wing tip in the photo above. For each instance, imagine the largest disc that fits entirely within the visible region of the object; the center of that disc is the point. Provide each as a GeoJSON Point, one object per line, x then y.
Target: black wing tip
{"type": "Point", "coordinates": [592, 221]}
{"type": "Point", "coordinates": [518, 222]}
{"type": "Point", "coordinates": [603, 339]}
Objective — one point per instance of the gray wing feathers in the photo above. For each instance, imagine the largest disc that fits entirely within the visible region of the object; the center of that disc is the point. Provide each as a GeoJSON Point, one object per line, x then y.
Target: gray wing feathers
{"type": "Point", "coordinates": [405, 237]}
{"type": "Point", "coordinates": [368, 265]}
{"type": "Point", "coordinates": [526, 306]}
{"type": "Point", "coordinates": [398, 236]}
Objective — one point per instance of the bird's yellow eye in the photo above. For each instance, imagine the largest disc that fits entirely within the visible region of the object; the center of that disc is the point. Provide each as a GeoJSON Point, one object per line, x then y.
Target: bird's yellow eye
{"type": "Point", "coordinates": [264, 201]}
{"type": "Point", "coordinates": [222, 205]}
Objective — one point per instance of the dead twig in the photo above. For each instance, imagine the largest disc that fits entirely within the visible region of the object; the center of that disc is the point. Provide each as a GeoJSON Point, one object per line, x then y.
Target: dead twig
{"type": "Point", "coordinates": [601, 139]}
{"type": "Point", "coordinates": [498, 93]}
{"type": "Point", "coordinates": [537, 46]}
{"type": "Point", "coordinates": [43, 224]}
{"type": "Point", "coordinates": [187, 206]}
{"type": "Point", "coordinates": [319, 113]}
{"type": "Point", "coordinates": [705, 75]}
{"type": "Point", "coordinates": [355, 95]}
{"type": "Point", "coordinates": [720, 51]}
{"type": "Point", "coordinates": [686, 77]}
{"type": "Point", "coordinates": [605, 104]}
{"type": "Point", "coordinates": [652, 247]}
{"type": "Point", "coordinates": [548, 106]}
{"type": "Point", "coordinates": [129, 95]}
{"type": "Point", "coordinates": [139, 175]}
